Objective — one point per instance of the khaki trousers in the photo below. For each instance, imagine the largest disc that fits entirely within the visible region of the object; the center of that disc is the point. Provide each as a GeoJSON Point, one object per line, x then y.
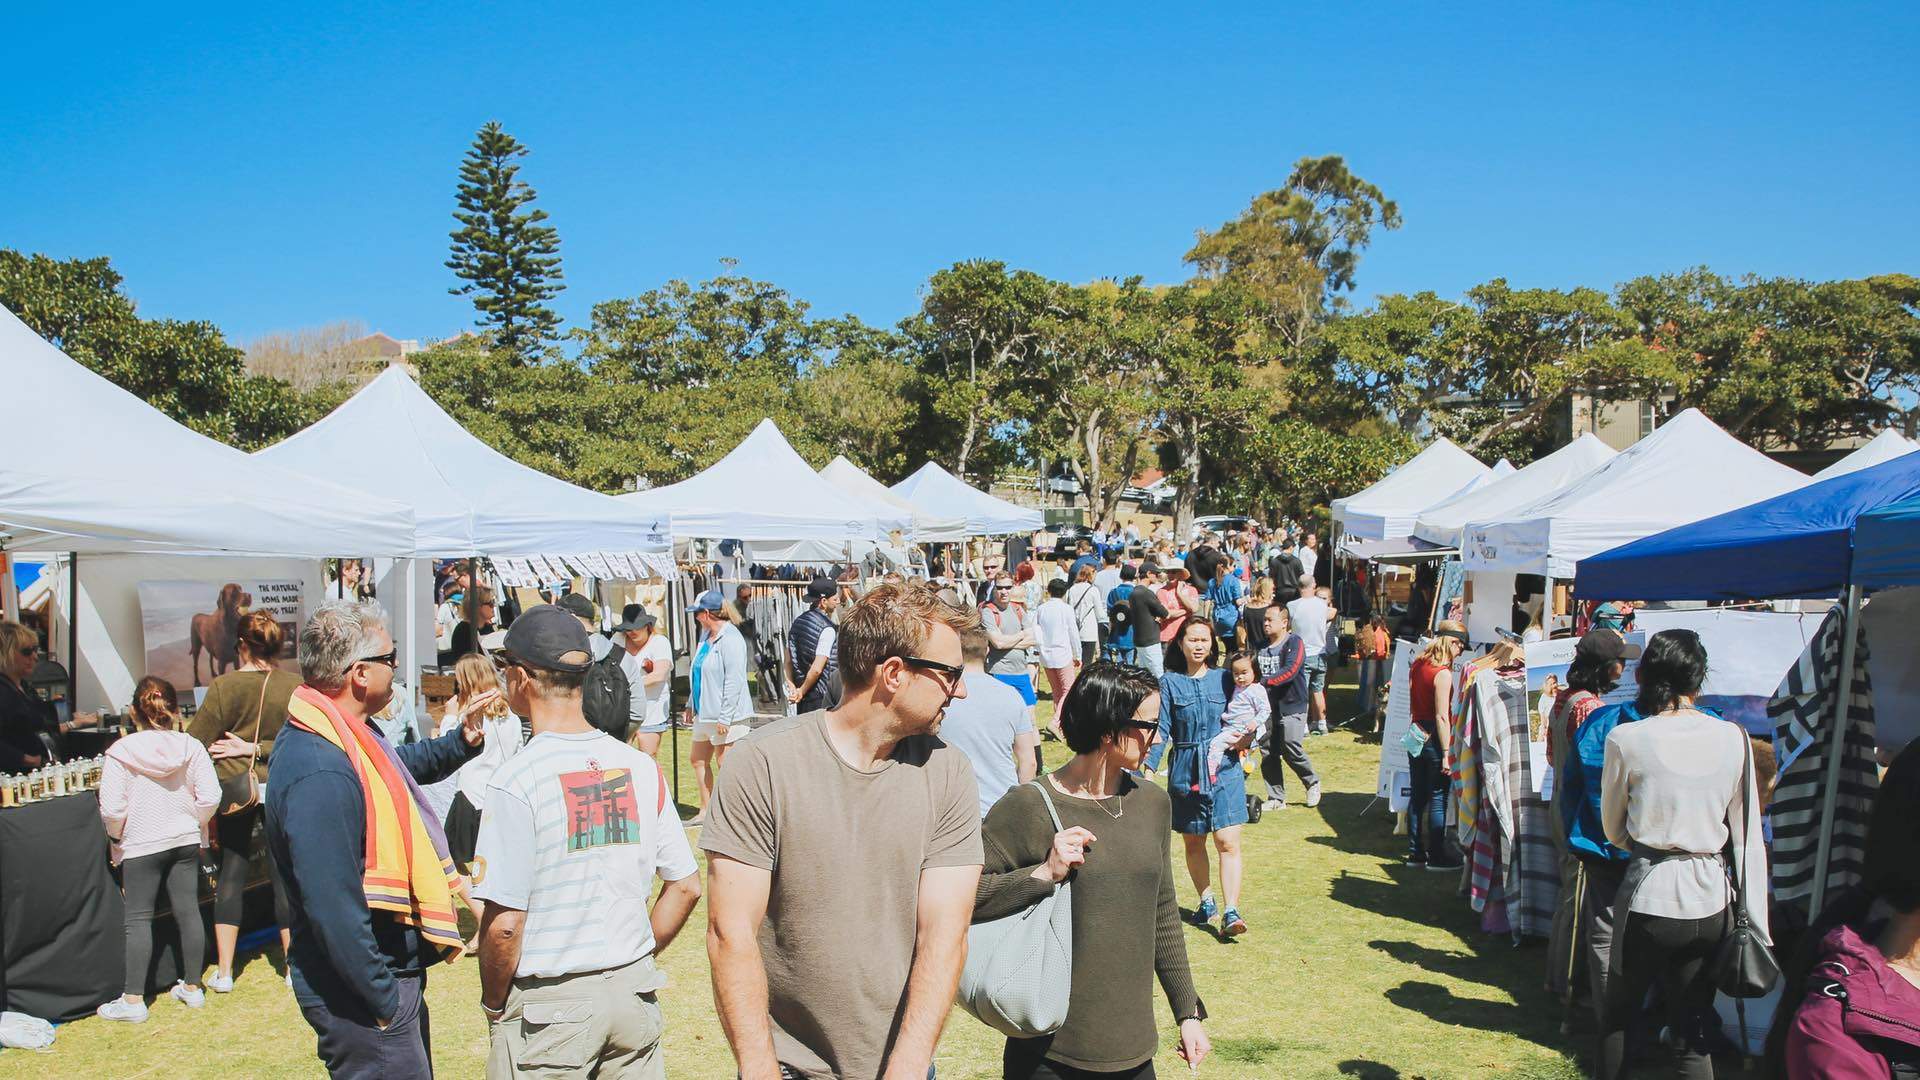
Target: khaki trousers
{"type": "Point", "coordinates": [601, 1023]}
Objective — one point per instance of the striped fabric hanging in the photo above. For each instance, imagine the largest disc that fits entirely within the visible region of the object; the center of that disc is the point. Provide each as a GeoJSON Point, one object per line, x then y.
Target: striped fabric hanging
{"type": "Point", "coordinates": [1802, 714]}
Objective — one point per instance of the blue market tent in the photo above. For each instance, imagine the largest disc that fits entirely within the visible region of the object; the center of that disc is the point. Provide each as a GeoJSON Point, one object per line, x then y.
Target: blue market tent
{"type": "Point", "coordinates": [1886, 546]}
{"type": "Point", "coordinates": [1800, 544]}
{"type": "Point", "coordinates": [1839, 536]}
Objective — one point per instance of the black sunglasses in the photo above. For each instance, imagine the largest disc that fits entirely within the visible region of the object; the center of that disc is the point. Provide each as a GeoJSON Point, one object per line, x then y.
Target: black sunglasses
{"type": "Point", "coordinates": [951, 671]}
{"type": "Point", "coordinates": [391, 658]}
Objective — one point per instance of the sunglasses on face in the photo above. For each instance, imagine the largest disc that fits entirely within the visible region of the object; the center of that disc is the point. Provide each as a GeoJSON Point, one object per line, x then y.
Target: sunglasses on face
{"type": "Point", "coordinates": [949, 673]}
{"type": "Point", "coordinates": [30, 650]}
{"type": "Point", "coordinates": [390, 658]}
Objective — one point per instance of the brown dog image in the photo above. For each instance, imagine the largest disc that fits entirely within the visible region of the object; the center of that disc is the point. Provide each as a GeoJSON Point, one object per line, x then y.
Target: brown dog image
{"type": "Point", "coordinates": [217, 633]}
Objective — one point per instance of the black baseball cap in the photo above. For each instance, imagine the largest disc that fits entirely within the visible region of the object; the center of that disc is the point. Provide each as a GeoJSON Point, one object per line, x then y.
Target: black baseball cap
{"type": "Point", "coordinates": [575, 604]}
{"type": "Point", "coordinates": [1606, 644]}
{"type": "Point", "coordinates": [550, 637]}
{"type": "Point", "coordinates": [820, 588]}
{"type": "Point", "coordinates": [635, 617]}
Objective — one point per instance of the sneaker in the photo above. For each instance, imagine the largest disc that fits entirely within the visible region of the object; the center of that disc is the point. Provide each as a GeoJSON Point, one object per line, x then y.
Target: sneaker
{"type": "Point", "coordinates": [220, 984]}
{"type": "Point", "coordinates": [191, 996]}
{"type": "Point", "coordinates": [1415, 862]}
{"type": "Point", "coordinates": [1274, 804]}
{"type": "Point", "coordinates": [1313, 796]}
{"type": "Point", "coordinates": [1454, 866]}
{"type": "Point", "coordinates": [1207, 909]}
{"type": "Point", "coordinates": [1232, 923]}
{"type": "Point", "coordinates": [133, 1012]}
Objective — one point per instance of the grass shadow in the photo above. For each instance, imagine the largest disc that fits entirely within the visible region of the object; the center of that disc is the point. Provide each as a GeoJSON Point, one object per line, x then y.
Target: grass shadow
{"type": "Point", "coordinates": [1368, 1070]}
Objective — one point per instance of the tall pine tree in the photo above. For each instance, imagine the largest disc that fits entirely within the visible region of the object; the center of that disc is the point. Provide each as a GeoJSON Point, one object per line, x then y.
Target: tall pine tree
{"type": "Point", "coordinates": [501, 251]}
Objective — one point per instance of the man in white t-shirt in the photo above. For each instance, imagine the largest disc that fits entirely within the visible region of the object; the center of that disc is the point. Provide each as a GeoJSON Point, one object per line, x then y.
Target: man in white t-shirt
{"type": "Point", "coordinates": [579, 825]}
{"type": "Point", "coordinates": [648, 662]}
{"type": "Point", "coordinates": [1312, 617]}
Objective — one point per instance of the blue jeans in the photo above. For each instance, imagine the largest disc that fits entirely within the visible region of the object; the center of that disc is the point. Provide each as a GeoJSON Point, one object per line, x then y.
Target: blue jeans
{"type": "Point", "coordinates": [1427, 807]}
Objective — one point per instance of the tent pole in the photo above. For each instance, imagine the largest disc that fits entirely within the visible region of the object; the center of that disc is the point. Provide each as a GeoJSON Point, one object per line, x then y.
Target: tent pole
{"type": "Point", "coordinates": [73, 635]}
{"type": "Point", "coordinates": [411, 580]}
{"type": "Point", "coordinates": [1849, 627]}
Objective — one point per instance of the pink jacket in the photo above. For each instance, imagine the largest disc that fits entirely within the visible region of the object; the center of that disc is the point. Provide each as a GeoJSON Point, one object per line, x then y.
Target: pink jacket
{"type": "Point", "coordinates": [1857, 1013]}
{"type": "Point", "coordinates": [157, 792]}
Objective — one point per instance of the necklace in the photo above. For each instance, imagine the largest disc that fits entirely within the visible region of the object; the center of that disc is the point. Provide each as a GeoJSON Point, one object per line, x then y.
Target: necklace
{"type": "Point", "coordinates": [1097, 800]}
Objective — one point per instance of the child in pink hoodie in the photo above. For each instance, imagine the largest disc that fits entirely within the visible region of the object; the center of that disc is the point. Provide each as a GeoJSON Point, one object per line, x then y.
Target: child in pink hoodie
{"type": "Point", "coordinates": [157, 792]}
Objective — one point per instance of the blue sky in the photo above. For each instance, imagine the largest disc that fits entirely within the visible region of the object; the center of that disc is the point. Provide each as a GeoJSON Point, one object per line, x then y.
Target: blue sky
{"type": "Point", "coordinates": [270, 171]}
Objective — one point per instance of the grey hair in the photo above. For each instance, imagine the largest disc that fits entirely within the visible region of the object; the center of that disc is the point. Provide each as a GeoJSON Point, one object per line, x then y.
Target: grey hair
{"type": "Point", "coordinates": [337, 635]}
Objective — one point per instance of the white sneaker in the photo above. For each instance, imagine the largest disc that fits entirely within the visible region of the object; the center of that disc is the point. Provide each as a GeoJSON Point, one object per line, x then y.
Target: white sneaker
{"type": "Point", "coordinates": [220, 984]}
{"type": "Point", "coordinates": [191, 997]}
{"type": "Point", "coordinates": [132, 1012]}
{"type": "Point", "coordinates": [1313, 796]}
{"type": "Point", "coordinates": [1274, 804]}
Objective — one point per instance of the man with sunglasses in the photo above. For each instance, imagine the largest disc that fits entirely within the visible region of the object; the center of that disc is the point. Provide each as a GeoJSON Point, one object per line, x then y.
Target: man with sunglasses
{"type": "Point", "coordinates": [843, 851]}
{"type": "Point", "coordinates": [358, 968]}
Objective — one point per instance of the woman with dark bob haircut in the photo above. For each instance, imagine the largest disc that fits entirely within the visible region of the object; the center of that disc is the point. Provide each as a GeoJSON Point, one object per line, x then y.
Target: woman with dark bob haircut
{"type": "Point", "coordinates": [1677, 787]}
{"type": "Point", "coordinates": [1115, 843]}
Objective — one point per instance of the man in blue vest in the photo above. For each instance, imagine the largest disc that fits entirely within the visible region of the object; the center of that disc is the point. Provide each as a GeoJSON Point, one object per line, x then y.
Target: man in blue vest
{"type": "Point", "coordinates": [811, 673]}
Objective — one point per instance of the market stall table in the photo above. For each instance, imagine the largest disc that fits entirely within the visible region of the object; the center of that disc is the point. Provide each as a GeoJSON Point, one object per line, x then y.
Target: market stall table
{"type": "Point", "coordinates": [60, 911]}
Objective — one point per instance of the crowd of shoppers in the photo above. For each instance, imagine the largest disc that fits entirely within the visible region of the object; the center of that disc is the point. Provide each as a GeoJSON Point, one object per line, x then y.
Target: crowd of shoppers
{"type": "Point", "coordinates": [915, 713]}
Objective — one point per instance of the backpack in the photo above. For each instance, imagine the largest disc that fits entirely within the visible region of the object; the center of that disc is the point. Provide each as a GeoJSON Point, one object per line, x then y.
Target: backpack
{"type": "Point", "coordinates": [606, 697]}
{"type": "Point", "coordinates": [1120, 611]}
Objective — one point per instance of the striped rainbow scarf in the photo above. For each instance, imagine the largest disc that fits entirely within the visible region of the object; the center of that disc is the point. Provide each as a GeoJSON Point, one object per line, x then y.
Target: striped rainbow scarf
{"type": "Point", "coordinates": [408, 871]}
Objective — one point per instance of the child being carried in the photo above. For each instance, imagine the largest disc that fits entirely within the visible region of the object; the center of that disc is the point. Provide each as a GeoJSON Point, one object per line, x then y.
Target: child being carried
{"type": "Point", "coordinates": [1246, 715]}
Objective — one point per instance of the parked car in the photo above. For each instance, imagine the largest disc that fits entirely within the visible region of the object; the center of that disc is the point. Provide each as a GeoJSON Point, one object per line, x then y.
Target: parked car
{"type": "Point", "coordinates": [1218, 524]}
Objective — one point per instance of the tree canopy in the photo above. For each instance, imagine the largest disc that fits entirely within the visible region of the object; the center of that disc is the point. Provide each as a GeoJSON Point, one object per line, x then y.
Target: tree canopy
{"type": "Point", "coordinates": [1258, 384]}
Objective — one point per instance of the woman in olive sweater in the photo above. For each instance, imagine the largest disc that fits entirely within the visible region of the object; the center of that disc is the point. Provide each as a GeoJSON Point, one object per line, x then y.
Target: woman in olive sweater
{"type": "Point", "coordinates": [1116, 842]}
{"type": "Point", "coordinates": [236, 723]}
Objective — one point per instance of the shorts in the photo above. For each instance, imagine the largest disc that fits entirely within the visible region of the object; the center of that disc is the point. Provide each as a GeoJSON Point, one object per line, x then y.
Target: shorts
{"type": "Point", "coordinates": [1023, 683]}
{"type": "Point", "coordinates": [1316, 671]}
{"type": "Point", "coordinates": [653, 723]}
{"type": "Point", "coordinates": [709, 731]}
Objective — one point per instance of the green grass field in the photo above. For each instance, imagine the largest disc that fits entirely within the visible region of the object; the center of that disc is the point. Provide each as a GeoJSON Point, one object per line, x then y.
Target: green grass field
{"type": "Point", "coordinates": [1354, 966]}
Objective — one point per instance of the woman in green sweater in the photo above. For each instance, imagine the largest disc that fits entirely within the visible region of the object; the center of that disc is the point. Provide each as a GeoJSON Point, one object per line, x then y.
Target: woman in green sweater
{"type": "Point", "coordinates": [237, 722]}
{"type": "Point", "coordinates": [1116, 842]}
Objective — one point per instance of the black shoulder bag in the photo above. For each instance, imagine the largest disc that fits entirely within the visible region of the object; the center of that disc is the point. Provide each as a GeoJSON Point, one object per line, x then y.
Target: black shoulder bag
{"type": "Point", "coordinates": [1744, 967]}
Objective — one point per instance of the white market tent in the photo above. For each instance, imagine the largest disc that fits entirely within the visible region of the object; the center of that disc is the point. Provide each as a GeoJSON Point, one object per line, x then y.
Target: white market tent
{"type": "Point", "coordinates": [928, 526]}
{"type": "Point", "coordinates": [95, 470]}
{"type": "Point", "coordinates": [1886, 446]}
{"type": "Point", "coordinates": [936, 489]}
{"type": "Point", "coordinates": [1444, 522]}
{"type": "Point", "coordinates": [1390, 507]}
{"type": "Point", "coordinates": [1687, 470]}
{"type": "Point", "coordinates": [763, 490]}
{"type": "Point", "coordinates": [468, 498]}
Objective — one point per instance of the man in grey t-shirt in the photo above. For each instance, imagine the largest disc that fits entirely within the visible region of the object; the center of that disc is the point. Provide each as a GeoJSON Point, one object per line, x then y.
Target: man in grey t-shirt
{"type": "Point", "coordinates": [843, 852]}
{"type": "Point", "coordinates": [991, 726]}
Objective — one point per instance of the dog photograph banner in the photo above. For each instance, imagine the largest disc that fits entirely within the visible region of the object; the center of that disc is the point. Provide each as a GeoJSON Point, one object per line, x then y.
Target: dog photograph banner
{"type": "Point", "coordinates": [191, 628]}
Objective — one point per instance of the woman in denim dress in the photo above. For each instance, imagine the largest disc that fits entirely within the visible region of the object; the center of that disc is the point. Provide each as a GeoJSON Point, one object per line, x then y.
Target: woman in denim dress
{"type": "Point", "coordinates": [1193, 694]}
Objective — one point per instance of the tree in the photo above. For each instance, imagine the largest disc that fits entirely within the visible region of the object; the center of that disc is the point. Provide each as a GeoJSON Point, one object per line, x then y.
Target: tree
{"type": "Point", "coordinates": [686, 371]}
{"type": "Point", "coordinates": [501, 251]}
{"type": "Point", "coordinates": [312, 357]}
{"type": "Point", "coordinates": [1295, 469]}
{"type": "Point", "coordinates": [977, 326]}
{"type": "Point", "coordinates": [1296, 249]}
{"type": "Point", "coordinates": [1094, 373]}
{"type": "Point", "coordinates": [187, 370]}
{"type": "Point", "coordinates": [1206, 341]}
{"type": "Point", "coordinates": [864, 398]}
